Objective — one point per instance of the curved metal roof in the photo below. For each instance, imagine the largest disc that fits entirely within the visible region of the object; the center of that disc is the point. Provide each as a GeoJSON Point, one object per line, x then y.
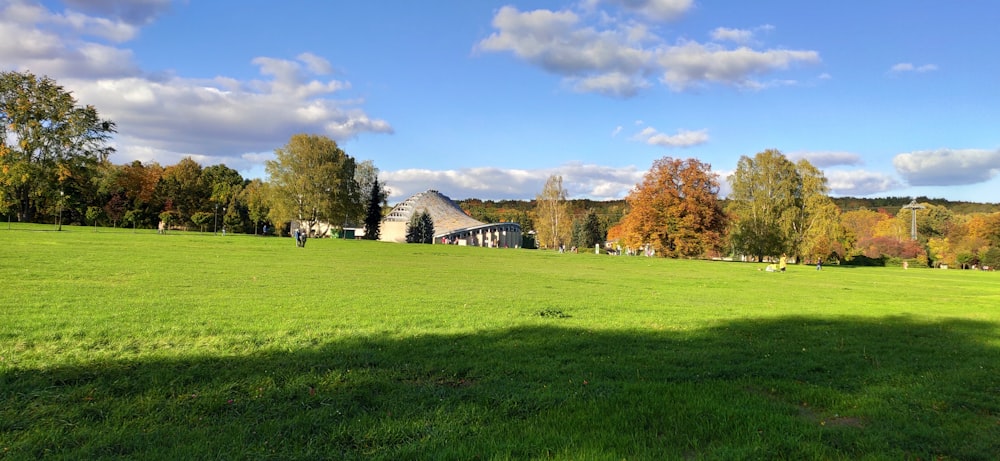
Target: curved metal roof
{"type": "Point", "coordinates": [445, 213]}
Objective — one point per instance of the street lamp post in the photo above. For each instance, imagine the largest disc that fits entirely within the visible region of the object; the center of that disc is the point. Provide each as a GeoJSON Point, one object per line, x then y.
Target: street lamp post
{"type": "Point", "coordinates": [61, 194]}
{"type": "Point", "coordinates": [215, 221]}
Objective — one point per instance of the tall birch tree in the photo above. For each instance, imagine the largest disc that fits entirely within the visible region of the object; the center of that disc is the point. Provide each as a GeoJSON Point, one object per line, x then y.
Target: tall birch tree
{"type": "Point", "coordinates": [551, 215]}
{"type": "Point", "coordinates": [779, 207]}
{"type": "Point", "coordinates": [765, 204]}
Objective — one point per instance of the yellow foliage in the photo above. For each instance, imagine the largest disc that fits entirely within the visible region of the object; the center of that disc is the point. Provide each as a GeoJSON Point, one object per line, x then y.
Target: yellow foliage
{"type": "Point", "coordinates": [982, 226]}
{"type": "Point", "coordinates": [64, 173]}
{"type": "Point", "coordinates": [895, 228]}
{"type": "Point", "coordinates": [941, 250]}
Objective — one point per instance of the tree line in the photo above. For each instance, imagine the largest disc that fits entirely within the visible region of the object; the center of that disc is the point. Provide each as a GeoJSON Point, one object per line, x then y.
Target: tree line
{"type": "Point", "coordinates": [54, 167]}
{"type": "Point", "coordinates": [776, 207]}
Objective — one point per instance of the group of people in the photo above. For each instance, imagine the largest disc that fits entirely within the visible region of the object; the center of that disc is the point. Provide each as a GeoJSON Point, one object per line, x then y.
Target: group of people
{"type": "Point", "coordinates": [562, 249]}
{"type": "Point", "coordinates": [300, 238]}
{"type": "Point", "coordinates": [783, 265]}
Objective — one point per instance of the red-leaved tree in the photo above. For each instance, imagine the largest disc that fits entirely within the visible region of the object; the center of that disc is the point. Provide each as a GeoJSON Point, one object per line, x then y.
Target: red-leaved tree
{"type": "Point", "coordinates": [676, 210]}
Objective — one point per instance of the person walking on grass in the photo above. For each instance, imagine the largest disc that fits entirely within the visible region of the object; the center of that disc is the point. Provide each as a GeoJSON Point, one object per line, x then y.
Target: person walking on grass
{"type": "Point", "coordinates": [783, 263]}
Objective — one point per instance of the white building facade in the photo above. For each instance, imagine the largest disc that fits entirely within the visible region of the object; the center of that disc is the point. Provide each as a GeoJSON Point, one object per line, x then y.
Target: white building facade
{"type": "Point", "coordinates": [451, 224]}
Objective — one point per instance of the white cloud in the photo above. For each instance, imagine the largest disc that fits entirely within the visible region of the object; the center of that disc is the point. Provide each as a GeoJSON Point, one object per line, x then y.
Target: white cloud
{"type": "Point", "coordinates": [683, 138]}
{"type": "Point", "coordinates": [859, 182]}
{"type": "Point", "coordinates": [909, 67]}
{"type": "Point", "coordinates": [486, 183]}
{"type": "Point", "coordinates": [657, 10]}
{"type": "Point", "coordinates": [580, 180]}
{"type": "Point", "coordinates": [693, 63]}
{"type": "Point", "coordinates": [167, 117]}
{"type": "Point", "coordinates": [292, 78]}
{"type": "Point", "coordinates": [214, 116]}
{"type": "Point", "coordinates": [556, 41]}
{"type": "Point", "coordinates": [828, 158]}
{"type": "Point", "coordinates": [848, 182]}
{"type": "Point", "coordinates": [611, 84]}
{"type": "Point", "coordinates": [739, 36]}
{"type": "Point", "coordinates": [948, 167]}
{"type": "Point", "coordinates": [615, 57]}
{"type": "Point", "coordinates": [47, 43]}
{"type": "Point", "coordinates": [723, 34]}
{"type": "Point", "coordinates": [137, 12]}
{"type": "Point", "coordinates": [316, 64]}
{"type": "Point", "coordinates": [115, 31]}
{"type": "Point", "coordinates": [724, 187]}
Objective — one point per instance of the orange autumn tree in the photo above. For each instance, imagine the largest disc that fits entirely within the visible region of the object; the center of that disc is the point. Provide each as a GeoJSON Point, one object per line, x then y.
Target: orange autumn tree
{"type": "Point", "coordinates": [675, 210]}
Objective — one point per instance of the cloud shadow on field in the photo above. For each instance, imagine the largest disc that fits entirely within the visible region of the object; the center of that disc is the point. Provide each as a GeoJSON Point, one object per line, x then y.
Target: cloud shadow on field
{"type": "Point", "coordinates": [778, 388]}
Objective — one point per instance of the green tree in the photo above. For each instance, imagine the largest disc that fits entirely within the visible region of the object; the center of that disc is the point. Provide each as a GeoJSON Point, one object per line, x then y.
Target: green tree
{"type": "Point", "coordinates": [183, 190]}
{"type": "Point", "coordinates": [427, 225]}
{"type": "Point", "coordinates": [254, 196]}
{"type": "Point", "coordinates": [376, 202]}
{"type": "Point", "coordinates": [990, 258]}
{"type": "Point", "coordinates": [551, 215]}
{"type": "Point", "coordinates": [312, 180]}
{"type": "Point", "coordinates": [6, 206]}
{"type": "Point", "coordinates": [932, 220]}
{"type": "Point", "coordinates": [233, 215]}
{"type": "Point", "coordinates": [766, 205]}
{"type": "Point", "coordinates": [221, 180]}
{"type": "Point", "coordinates": [366, 176]}
{"type": "Point", "coordinates": [48, 143]}
{"type": "Point", "coordinates": [93, 215]}
{"type": "Point", "coordinates": [131, 217]}
{"type": "Point", "coordinates": [420, 229]}
{"type": "Point", "coordinates": [587, 231]}
{"type": "Point", "coordinates": [201, 219]}
{"type": "Point", "coordinates": [169, 218]}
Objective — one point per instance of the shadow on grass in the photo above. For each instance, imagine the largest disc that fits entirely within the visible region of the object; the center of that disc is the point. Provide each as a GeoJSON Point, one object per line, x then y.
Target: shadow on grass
{"type": "Point", "coordinates": [791, 388]}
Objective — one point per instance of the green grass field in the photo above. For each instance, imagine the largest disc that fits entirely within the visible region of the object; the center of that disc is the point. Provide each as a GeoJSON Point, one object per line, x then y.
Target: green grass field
{"type": "Point", "coordinates": [192, 346]}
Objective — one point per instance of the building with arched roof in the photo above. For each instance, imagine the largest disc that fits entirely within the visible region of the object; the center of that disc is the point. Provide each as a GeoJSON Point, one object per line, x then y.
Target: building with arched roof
{"type": "Point", "coordinates": [451, 224]}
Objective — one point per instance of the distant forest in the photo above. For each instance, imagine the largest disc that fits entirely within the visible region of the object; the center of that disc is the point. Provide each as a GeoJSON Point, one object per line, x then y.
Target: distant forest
{"type": "Point", "coordinates": [893, 204]}
{"type": "Point", "coordinates": [611, 211]}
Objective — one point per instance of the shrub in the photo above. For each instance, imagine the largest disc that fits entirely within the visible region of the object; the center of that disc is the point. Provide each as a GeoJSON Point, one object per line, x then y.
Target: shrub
{"type": "Point", "coordinates": [862, 260]}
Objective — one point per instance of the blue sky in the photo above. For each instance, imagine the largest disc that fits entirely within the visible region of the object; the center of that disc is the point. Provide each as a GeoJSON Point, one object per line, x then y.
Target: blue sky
{"type": "Point", "coordinates": [487, 99]}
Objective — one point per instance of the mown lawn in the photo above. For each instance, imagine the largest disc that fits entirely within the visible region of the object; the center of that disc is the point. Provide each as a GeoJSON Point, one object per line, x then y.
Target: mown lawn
{"type": "Point", "coordinates": [117, 343]}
